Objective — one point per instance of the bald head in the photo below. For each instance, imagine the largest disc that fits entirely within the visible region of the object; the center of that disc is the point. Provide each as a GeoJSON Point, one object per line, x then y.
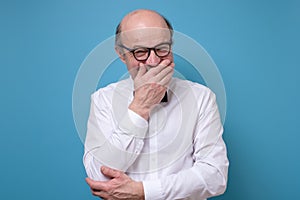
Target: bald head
{"type": "Point", "coordinates": [140, 19]}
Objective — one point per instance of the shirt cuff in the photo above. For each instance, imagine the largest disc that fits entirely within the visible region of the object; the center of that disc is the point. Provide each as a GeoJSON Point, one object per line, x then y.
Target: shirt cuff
{"type": "Point", "coordinates": [153, 190]}
{"type": "Point", "coordinates": [137, 119]}
{"type": "Point", "coordinates": [133, 124]}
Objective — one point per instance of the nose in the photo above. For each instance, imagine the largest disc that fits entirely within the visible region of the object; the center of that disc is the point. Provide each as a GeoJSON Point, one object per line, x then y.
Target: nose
{"type": "Point", "coordinates": [153, 60]}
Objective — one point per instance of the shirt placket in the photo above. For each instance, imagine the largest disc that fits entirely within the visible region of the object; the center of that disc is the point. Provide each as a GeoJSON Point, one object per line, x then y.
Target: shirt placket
{"type": "Point", "coordinates": [153, 140]}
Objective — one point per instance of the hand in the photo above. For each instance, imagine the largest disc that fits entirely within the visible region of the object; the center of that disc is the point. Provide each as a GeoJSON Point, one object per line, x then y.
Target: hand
{"type": "Point", "coordinates": [150, 87]}
{"type": "Point", "coordinates": [161, 74]}
{"type": "Point", "coordinates": [119, 187]}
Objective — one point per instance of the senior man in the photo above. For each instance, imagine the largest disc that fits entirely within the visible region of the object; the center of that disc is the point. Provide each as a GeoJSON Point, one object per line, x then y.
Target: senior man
{"type": "Point", "coordinates": [153, 136]}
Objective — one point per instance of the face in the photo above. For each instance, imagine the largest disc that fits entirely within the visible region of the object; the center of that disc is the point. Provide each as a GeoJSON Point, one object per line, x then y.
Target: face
{"type": "Point", "coordinates": [144, 38]}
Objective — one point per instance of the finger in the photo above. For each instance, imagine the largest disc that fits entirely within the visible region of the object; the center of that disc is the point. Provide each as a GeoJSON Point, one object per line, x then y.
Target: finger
{"type": "Point", "coordinates": [110, 172]}
{"type": "Point", "coordinates": [165, 62]}
{"type": "Point", "coordinates": [102, 194]}
{"type": "Point", "coordinates": [166, 79]}
{"type": "Point", "coordinates": [155, 70]}
{"type": "Point", "coordinates": [97, 185]}
{"type": "Point", "coordinates": [162, 74]}
{"type": "Point", "coordinates": [172, 65]}
{"type": "Point", "coordinates": [142, 70]}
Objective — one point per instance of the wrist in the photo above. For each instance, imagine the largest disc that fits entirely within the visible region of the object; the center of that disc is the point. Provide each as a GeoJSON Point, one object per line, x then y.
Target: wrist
{"type": "Point", "coordinates": [143, 112]}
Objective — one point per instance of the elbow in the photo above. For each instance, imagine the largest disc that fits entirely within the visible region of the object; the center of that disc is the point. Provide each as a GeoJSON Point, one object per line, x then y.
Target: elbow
{"type": "Point", "coordinates": [92, 168]}
{"type": "Point", "coordinates": [221, 177]}
{"type": "Point", "coordinates": [221, 187]}
{"type": "Point", "coordinates": [217, 187]}
{"type": "Point", "coordinates": [217, 184]}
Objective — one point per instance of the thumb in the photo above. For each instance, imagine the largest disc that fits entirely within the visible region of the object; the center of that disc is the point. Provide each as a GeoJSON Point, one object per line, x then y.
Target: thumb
{"type": "Point", "coordinates": [109, 172]}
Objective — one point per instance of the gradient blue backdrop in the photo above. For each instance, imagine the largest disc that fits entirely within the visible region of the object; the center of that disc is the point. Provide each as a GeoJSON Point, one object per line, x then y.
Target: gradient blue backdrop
{"type": "Point", "coordinates": [254, 43]}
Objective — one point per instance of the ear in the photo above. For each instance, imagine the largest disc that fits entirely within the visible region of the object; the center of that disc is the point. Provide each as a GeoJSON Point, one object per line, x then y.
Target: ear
{"type": "Point", "coordinates": [120, 54]}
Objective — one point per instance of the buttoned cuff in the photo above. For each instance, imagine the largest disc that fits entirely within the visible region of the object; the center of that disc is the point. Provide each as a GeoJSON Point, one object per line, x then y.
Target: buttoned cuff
{"type": "Point", "coordinates": [153, 190]}
{"type": "Point", "coordinates": [137, 119]}
{"type": "Point", "coordinates": [133, 124]}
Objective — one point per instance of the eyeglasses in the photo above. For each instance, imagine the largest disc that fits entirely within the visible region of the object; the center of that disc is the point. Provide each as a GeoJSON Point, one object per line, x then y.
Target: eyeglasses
{"type": "Point", "coordinates": [143, 53]}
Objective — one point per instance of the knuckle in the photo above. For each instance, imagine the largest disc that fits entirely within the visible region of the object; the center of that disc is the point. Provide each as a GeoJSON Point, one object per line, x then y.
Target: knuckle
{"type": "Point", "coordinates": [92, 185]}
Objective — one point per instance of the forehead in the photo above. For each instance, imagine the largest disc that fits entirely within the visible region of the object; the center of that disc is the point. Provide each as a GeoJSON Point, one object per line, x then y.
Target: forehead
{"type": "Point", "coordinates": [145, 36]}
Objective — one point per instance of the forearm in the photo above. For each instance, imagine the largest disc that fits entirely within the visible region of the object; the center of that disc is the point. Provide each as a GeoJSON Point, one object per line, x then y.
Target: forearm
{"type": "Point", "coordinates": [187, 183]}
{"type": "Point", "coordinates": [108, 154]}
{"type": "Point", "coordinates": [201, 181]}
{"type": "Point", "coordinates": [206, 178]}
{"type": "Point", "coordinates": [113, 145]}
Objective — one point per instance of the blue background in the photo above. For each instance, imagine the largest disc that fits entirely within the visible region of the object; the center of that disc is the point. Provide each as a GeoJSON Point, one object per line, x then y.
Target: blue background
{"type": "Point", "coordinates": [255, 45]}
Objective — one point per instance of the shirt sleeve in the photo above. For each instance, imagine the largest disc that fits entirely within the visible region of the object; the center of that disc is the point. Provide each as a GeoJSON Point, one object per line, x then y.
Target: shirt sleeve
{"type": "Point", "coordinates": [208, 175]}
{"type": "Point", "coordinates": [111, 143]}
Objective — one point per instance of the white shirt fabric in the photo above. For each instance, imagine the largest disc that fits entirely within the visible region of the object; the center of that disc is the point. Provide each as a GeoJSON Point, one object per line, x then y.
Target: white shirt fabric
{"type": "Point", "coordinates": [178, 153]}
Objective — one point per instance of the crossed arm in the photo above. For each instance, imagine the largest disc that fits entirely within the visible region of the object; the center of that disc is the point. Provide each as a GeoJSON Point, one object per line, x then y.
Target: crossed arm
{"type": "Point", "coordinates": [150, 88]}
{"type": "Point", "coordinates": [207, 177]}
{"type": "Point", "coordinates": [120, 186]}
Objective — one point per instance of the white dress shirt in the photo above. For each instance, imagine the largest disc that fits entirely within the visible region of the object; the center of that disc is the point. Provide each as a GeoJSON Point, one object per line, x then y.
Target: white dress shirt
{"type": "Point", "coordinates": [178, 153]}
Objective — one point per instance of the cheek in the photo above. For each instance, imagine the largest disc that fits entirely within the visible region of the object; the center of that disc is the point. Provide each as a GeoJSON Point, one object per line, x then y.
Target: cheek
{"type": "Point", "coordinates": [170, 55]}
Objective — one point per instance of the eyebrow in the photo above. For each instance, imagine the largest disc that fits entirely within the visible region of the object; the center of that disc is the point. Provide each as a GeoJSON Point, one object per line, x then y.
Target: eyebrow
{"type": "Point", "coordinates": [140, 46]}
